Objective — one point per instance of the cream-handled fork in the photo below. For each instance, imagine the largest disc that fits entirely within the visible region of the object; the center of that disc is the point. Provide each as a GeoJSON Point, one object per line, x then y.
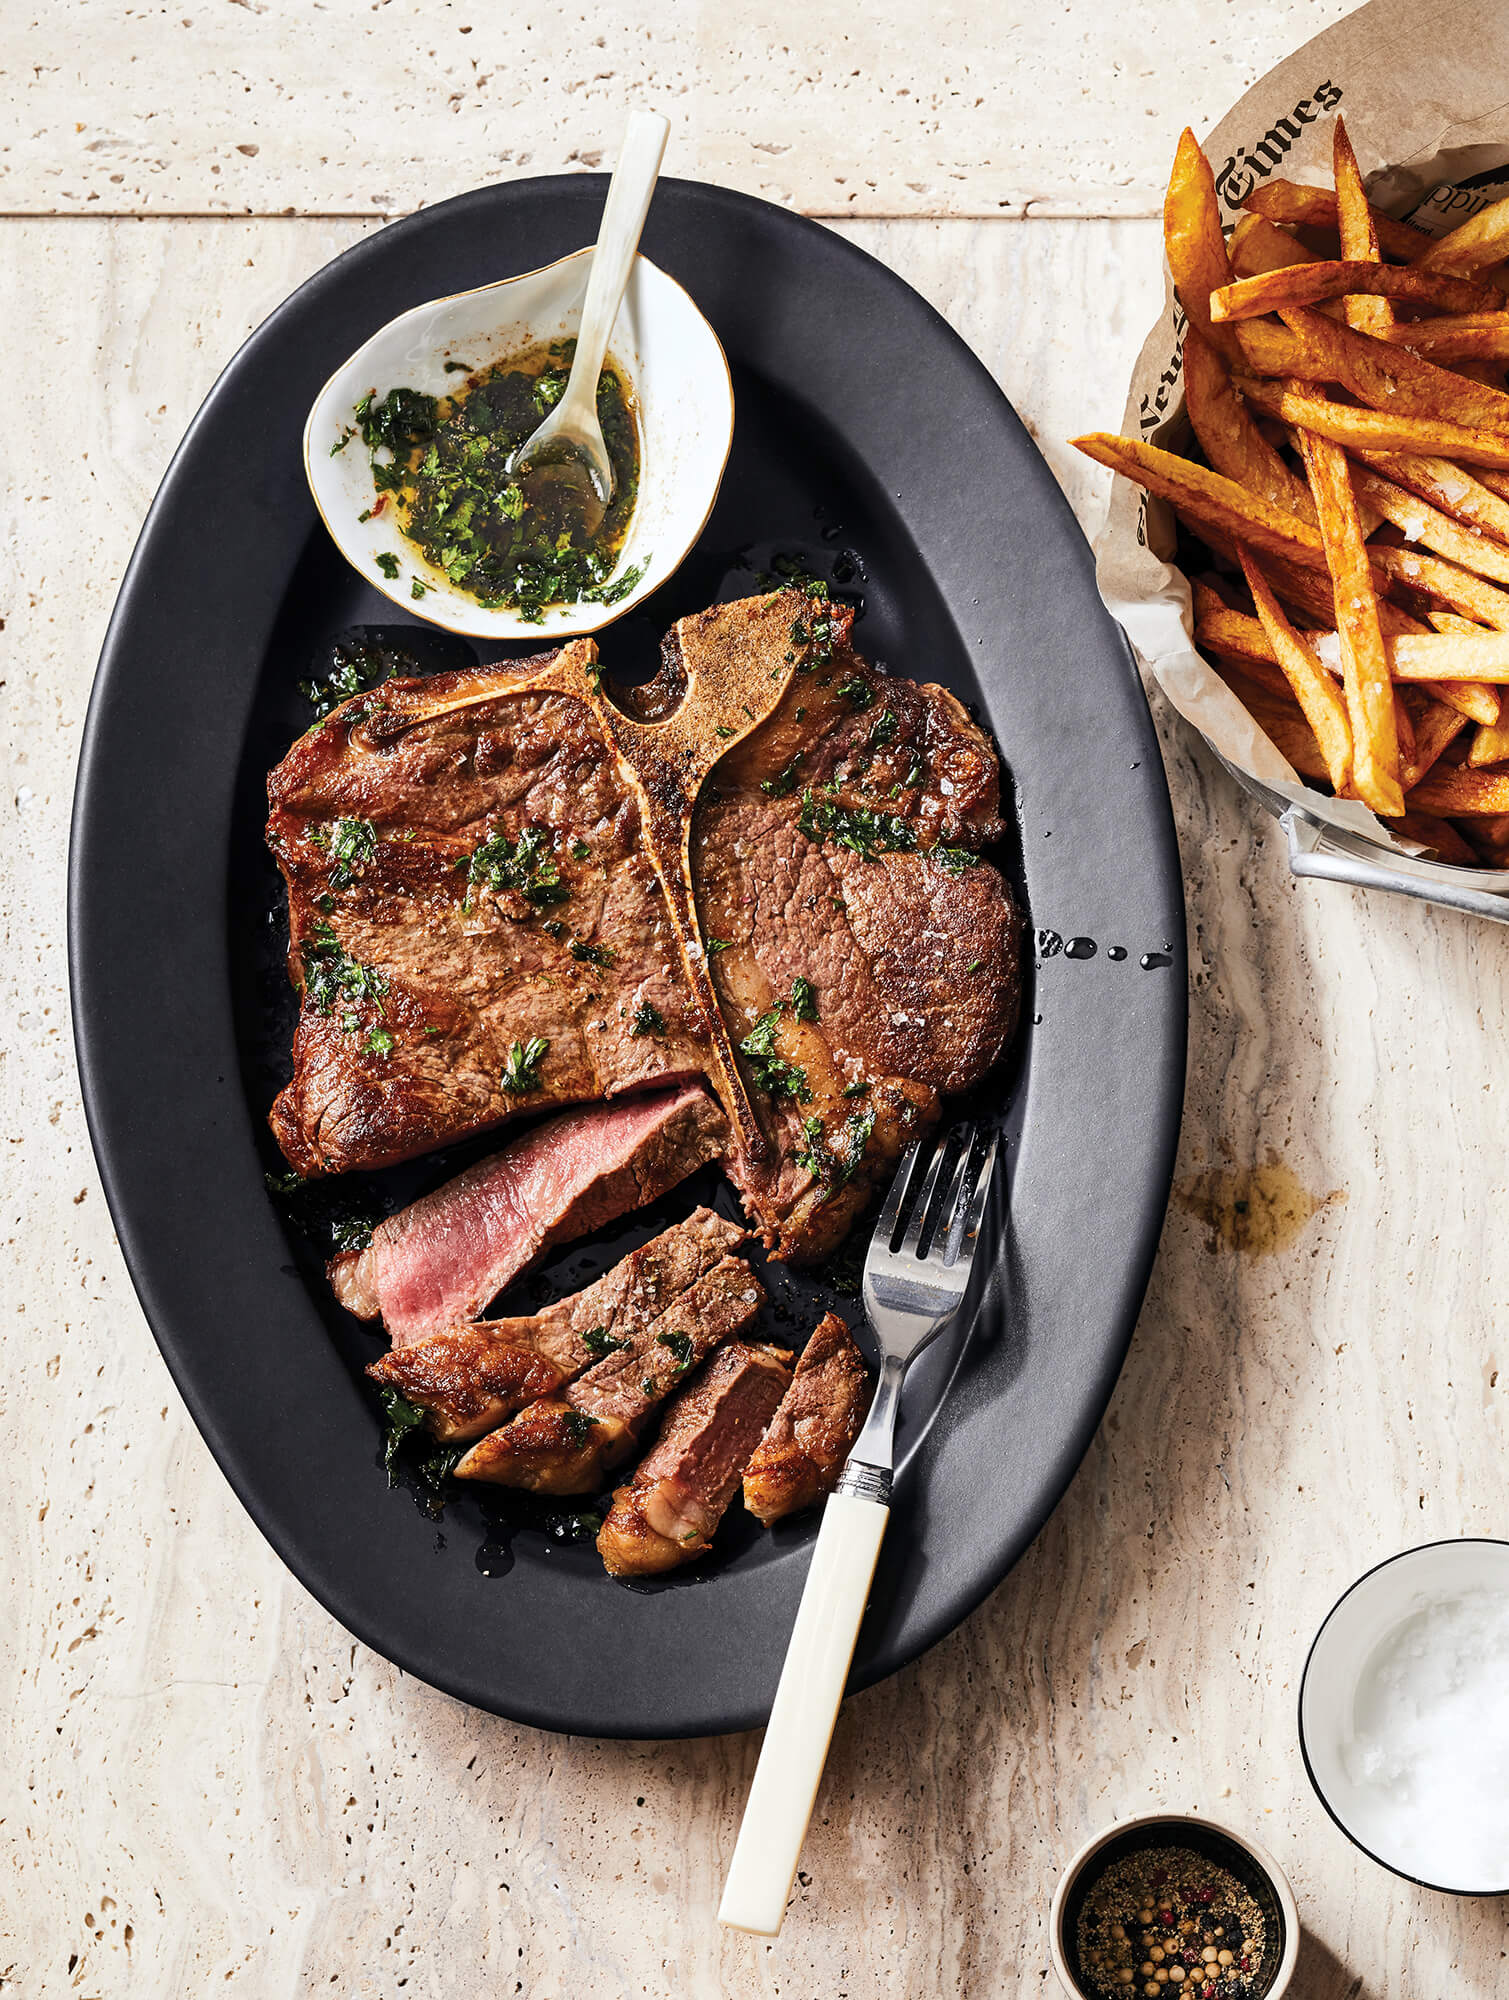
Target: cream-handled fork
{"type": "Point", "coordinates": [908, 1299]}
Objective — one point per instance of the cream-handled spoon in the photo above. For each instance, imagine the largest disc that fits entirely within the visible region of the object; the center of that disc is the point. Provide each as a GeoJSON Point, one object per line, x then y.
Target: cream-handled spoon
{"type": "Point", "coordinates": [568, 448]}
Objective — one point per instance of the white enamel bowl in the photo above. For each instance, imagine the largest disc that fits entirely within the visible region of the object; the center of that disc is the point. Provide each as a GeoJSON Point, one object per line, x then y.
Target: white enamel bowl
{"type": "Point", "coordinates": [675, 366]}
{"type": "Point", "coordinates": [1375, 1607]}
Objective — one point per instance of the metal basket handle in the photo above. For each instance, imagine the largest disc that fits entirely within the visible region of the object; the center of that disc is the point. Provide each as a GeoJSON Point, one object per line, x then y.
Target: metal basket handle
{"type": "Point", "coordinates": [1310, 855]}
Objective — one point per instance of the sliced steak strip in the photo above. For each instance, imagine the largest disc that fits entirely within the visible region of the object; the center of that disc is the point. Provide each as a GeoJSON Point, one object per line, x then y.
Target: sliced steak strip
{"type": "Point", "coordinates": [668, 1513]}
{"type": "Point", "coordinates": [569, 1443]}
{"type": "Point", "coordinates": [799, 1458]}
{"type": "Point", "coordinates": [473, 1378]}
{"type": "Point", "coordinates": [444, 1259]}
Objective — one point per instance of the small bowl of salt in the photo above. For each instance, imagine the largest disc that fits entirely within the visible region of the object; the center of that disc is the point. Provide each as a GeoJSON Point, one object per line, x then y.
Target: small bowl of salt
{"type": "Point", "coordinates": [1404, 1715]}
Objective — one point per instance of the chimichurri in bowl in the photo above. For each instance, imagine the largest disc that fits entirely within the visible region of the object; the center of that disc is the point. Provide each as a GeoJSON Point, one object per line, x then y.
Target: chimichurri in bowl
{"type": "Point", "coordinates": [441, 463]}
{"type": "Point", "coordinates": [406, 452]}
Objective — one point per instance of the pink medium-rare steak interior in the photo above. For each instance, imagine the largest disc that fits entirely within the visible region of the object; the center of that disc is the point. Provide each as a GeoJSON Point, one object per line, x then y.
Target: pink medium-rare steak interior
{"type": "Point", "coordinates": [442, 1260]}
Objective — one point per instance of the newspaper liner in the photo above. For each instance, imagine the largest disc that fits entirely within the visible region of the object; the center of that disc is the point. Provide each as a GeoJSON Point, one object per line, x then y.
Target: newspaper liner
{"type": "Point", "coordinates": [1391, 68]}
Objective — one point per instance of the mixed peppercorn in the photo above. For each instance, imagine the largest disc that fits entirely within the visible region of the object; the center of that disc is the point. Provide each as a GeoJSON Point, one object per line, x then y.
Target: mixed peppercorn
{"type": "Point", "coordinates": [1168, 1921]}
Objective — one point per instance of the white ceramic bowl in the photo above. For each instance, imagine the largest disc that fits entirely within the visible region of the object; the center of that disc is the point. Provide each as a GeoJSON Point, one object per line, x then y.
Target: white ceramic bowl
{"type": "Point", "coordinates": [1376, 1606]}
{"type": "Point", "coordinates": [1254, 1866]}
{"type": "Point", "coordinates": [675, 366]}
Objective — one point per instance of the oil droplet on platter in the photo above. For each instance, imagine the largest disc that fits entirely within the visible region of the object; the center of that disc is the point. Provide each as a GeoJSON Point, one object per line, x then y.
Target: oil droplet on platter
{"type": "Point", "coordinates": [1080, 947]}
{"type": "Point", "coordinates": [1116, 951]}
{"type": "Point", "coordinates": [1049, 944]}
{"type": "Point", "coordinates": [1151, 960]}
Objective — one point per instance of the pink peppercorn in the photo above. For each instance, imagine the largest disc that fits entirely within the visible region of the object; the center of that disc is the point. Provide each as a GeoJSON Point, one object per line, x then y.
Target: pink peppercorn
{"type": "Point", "coordinates": [1208, 1991]}
{"type": "Point", "coordinates": [1166, 1916]}
{"type": "Point", "coordinates": [1245, 1963]}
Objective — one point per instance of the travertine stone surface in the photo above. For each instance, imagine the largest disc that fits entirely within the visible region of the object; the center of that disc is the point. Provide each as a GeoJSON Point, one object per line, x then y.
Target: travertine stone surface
{"type": "Point", "coordinates": [953, 107]}
{"type": "Point", "coordinates": [207, 1786]}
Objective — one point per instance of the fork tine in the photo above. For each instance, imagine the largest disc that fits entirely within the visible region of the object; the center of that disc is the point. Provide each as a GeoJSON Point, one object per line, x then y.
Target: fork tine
{"type": "Point", "coordinates": [950, 1230]}
{"type": "Point", "coordinates": [885, 1228]}
{"type": "Point", "coordinates": [975, 1215]}
{"type": "Point", "coordinates": [911, 1242]}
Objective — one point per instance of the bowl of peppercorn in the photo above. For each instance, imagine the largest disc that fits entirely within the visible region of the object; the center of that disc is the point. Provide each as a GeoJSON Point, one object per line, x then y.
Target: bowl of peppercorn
{"type": "Point", "coordinates": [1172, 1905]}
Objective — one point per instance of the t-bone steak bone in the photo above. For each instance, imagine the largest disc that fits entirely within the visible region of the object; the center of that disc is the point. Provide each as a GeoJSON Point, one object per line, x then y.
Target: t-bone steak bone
{"type": "Point", "coordinates": [500, 882]}
{"type": "Point", "coordinates": [669, 1511]}
{"type": "Point", "coordinates": [444, 1258]}
{"type": "Point", "coordinates": [472, 1378]}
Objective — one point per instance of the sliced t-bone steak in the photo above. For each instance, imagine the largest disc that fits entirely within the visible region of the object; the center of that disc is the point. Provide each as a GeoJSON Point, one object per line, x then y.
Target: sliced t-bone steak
{"type": "Point", "coordinates": [473, 1378]}
{"type": "Point", "coordinates": [669, 1511]}
{"type": "Point", "coordinates": [444, 1258]}
{"type": "Point", "coordinates": [802, 1453]}
{"type": "Point", "coordinates": [508, 891]}
{"type": "Point", "coordinates": [568, 1443]}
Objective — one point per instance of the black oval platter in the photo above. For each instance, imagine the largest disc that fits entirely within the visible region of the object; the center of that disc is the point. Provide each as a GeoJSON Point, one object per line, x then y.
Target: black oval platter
{"type": "Point", "coordinates": [871, 445]}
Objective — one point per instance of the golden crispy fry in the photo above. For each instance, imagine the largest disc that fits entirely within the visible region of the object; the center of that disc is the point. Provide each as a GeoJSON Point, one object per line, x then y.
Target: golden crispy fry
{"type": "Point", "coordinates": [1257, 245]}
{"type": "Point", "coordinates": [1456, 588]}
{"type": "Point", "coordinates": [1452, 671]}
{"type": "Point", "coordinates": [1359, 235]}
{"type": "Point", "coordinates": [1436, 728]}
{"type": "Point", "coordinates": [1312, 284]}
{"type": "Point", "coordinates": [1480, 336]}
{"type": "Point", "coordinates": [1490, 745]}
{"type": "Point", "coordinates": [1444, 485]}
{"type": "Point", "coordinates": [1389, 378]}
{"type": "Point", "coordinates": [1229, 437]}
{"type": "Point", "coordinates": [1374, 430]}
{"type": "Point", "coordinates": [1473, 245]}
{"type": "Point", "coordinates": [1364, 664]}
{"type": "Point", "coordinates": [1314, 690]}
{"type": "Point", "coordinates": [1454, 788]}
{"type": "Point", "coordinates": [1208, 498]}
{"type": "Point", "coordinates": [1193, 240]}
{"type": "Point", "coordinates": [1425, 525]}
{"type": "Point", "coordinates": [1439, 834]}
{"type": "Point", "coordinates": [1495, 481]}
{"type": "Point", "coordinates": [1278, 717]}
{"type": "Point", "coordinates": [1313, 207]}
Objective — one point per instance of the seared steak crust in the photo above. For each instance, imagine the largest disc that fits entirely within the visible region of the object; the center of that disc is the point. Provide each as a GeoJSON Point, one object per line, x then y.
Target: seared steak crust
{"type": "Point", "coordinates": [801, 1455]}
{"type": "Point", "coordinates": [445, 1257]}
{"type": "Point", "coordinates": [472, 1378]}
{"type": "Point", "coordinates": [439, 768]}
{"type": "Point", "coordinates": [669, 1512]}
{"type": "Point", "coordinates": [568, 1443]}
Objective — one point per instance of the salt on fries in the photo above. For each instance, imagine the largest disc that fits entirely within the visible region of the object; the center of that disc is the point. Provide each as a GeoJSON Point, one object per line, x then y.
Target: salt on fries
{"type": "Point", "coordinates": [1344, 382]}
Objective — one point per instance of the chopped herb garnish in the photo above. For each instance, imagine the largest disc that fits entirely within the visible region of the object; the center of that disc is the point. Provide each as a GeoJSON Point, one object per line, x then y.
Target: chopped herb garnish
{"type": "Point", "coordinates": [769, 1071]}
{"type": "Point", "coordinates": [884, 727]}
{"type": "Point", "coordinates": [578, 1427]}
{"type": "Point", "coordinates": [647, 1020]}
{"type": "Point", "coordinates": [835, 1169]}
{"type": "Point", "coordinates": [350, 1231]}
{"type": "Point", "coordinates": [784, 781]}
{"type": "Point", "coordinates": [954, 859]}
{"type": "Point", "coordinates": [284, 1184]}
{"type": "Point", "coordinates": [355, 668]}
{"type": "Point", "coordinates": [857, 1089]}
{"type": "Point", "coordinates": [404, 418]}
{"type": "Point", "coordinates": [553, 927]}
{"type": "Point", "coordinates": [580, 851]}
{"type": "Point", "coordinates": [598, 1342]}
{"type": "Point", "coordinates": [866, 832]}
{"type": "Point", "coordinates": [681, 1346]}
{"type": "Point", "coordinates": [722, 729]}
{"type": "Point", "coordinates": [521, 1066]}
{"type": "Point", "coordinates": [648, 1384]}
{"type": "Point", "coordinates": [594, 954]}
{"type": "Point", "coordinates": [526, 865]}
{"type": "Point", "coordinates": [400, 1416]}
{"type": "Point", "coordinates": [350, 843]}
{"type": "Point", "coordinates": [715, 945]}
{"type": "Point", "coordinates": [380, 1042]}
{"type": "Point", "coordinates": [417, 589]}
{"type": "Point", "coordinates": [974, 965]}
{"type": "Point", "coordinates": [331, 973]}
{"type": "Point", "coordinates": [803, 999]}
{"type": "Point", "coordinates": [387, 562]}
{"type": "Point", "coordinates": [856, 691]}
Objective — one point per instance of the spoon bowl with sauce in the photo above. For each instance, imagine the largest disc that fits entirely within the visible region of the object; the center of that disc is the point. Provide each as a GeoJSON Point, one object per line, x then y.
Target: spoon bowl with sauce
{"type": "Point", "coordinates": [437, 463]}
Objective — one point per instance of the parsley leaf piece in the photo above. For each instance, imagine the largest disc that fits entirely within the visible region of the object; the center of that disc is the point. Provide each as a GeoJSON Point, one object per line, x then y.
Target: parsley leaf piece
{"type": "Point", "coordinates": [784, 782]}
{"type": "Point", "coordinates": [599, 1342]}
{"type": "Point", "coordinates": [682, 1348]}
{"type": "Point", "coordinates": [594, 954]}
{"type": "Point", "coordinates": [527, 865]}
{"type": "Point", "coordinates": [578, 1427]}
{"type": "Point", "coordinates": [954, 859]}
{"type": "Point", "coordinates": [647, 1020]}
{"type": "Point", "coordinates": [331, 973]}
{"type": "Point", "coordinates": [803, 999]}
{"type": "Point", "coordinates": [387, 562]}
{"type": "Point", "coordinates": [380, 1042]}
{"type": "Point", "coordinates": [857, 692]}
{"type": "Point", "coordinates": [350, 843]}
{"type": "Point", "coordinates": [521, 1066]}
{"type": "Point", "coordinates": [768, 1071]}
{"type": "Point", "coordinates": [400, 1416]}
{"type": "Point", "coordinates": [866, 832]}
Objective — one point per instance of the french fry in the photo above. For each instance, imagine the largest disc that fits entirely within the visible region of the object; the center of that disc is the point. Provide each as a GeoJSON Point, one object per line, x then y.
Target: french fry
{"type": "Point", "coordinates": [1421, 523]}
{"type": "Point", "coordinates": [1376, 372]}
{"type": "Point", "coordinates": [1313, 207]}
{"type": "Point", "coordinates": [1439, 834]}
{"type": "Point", "coordinates": [1473, 245]}
{"type": "Point", "coordinates": [1257, 245]}
{"type": "Point", "coordinates": [1229, 437]}
{"type": "Point", "coordinates": [1444, 485]}
{"type": "Point", "coordinates": [1278, 717]}
{"type": "Point", "coordinates": [1480, 336]}
{"type": "Point", "coordinates": [1458, 589]}
{"type": "Point", "coordinates": [1431, 660]}
{"type": "Point", "coordinates": [1358, 233]}
{"type": "Point", "coordinates": [1495, 481]}
{"type": "Point", "coordinates": [1374, 430]}
{"type": "Point", "coordinates": [1208, 498]}
{"type": "Point", "coordinates": [1193, 241]}
{"type": "Point", "coordinates": [1324, 709]}
{"type": "Point", "coordinates": [1436, 728]}
{"type": "Point", "coordinates": [1490, 744]}
{"type": "Point", "coordinates": [1364, 664]}
{"type": "Point", "coordinates": [1456, 789]}
{"type": "Point", "coordinates": [1336, 278]}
